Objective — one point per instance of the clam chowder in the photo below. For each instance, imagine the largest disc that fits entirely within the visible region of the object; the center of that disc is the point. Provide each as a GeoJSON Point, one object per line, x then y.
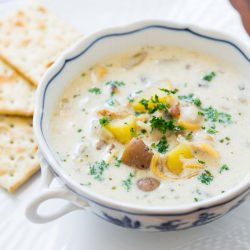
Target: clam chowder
{"type": "Point", "coordinates": [157, 126]}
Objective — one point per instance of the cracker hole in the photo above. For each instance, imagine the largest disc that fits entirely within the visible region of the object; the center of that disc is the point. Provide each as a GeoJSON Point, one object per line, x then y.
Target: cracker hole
{"type": "Point", "coordinates": [32, 157]}
{"type": "Point", "coordinates": [11, 142]}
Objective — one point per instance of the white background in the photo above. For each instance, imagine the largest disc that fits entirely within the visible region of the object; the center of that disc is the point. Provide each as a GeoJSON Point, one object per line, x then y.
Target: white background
{"type": "Point", "coordinates": [81, 230]}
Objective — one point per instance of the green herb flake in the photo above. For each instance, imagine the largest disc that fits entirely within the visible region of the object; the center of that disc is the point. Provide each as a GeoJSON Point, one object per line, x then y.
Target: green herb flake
{"type": "Point", "coordinates": [143, 131]}
{"type": "Point", "coordinates": [117, 162]}
{"type": "Point", "coordinates": [104, 121]}
{"type": "Point", "coordinates": [206, 177]}
{"type": "Point", "coordinates": [138, 113]}
{"type": "Point", "coordinates": [128, 182]}
{"type": "Point", "coordinates": [79, 130]}
{"type": "Point", "coordinates": [196, 199]}
{"type": "Point", "coordinates": [133, 132]}
{"type": "Point", "coordinates": [130, 98]}
{"type": "Point", "coordinates": [212, 129]}
{"type": "Point", "coordinates": [97, 169]}
{"type": "Point", "coordinates": [189, 136]}
{"type": "Point", "coordinates": [163, 125]}
{"type": "Point", "coordinates": [190, 98]}
{"type": "Point", "coordinates": [215, 116]}
{"type": "Point", "coordinates": [111, 101]}
{"type": "Point", "coordinates": [224, 167]}
{"type": "Point", "coordinates": [162, 145]}
{"type": "Point", "coordinates": [95, 90]}
{"type": "Point", "coordinates": [115, 83]}
{"type": "Point", "coordinates": [197, 102]}
{"type": "Point", "coordinates": [201, 162]}
{"type": "Point", "coordinates": [139, 92]}
{"type": "Point", "coordinates": [209, 77]}
{"type": "Point", "coordinates": [157, 104]}
{"type": "Point", "coordinates": [169, 92]}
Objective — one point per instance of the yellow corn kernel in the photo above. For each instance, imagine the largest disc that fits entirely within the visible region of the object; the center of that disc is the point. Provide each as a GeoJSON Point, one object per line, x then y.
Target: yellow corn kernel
{"type": "Point", "coordinates": [122, 129]}
{"type": "Point", "coordinates": [188, 125]}
{"type": "Point", "coordinates": [174, 163]}
{"type": "Point", "coordinates": [101, 71]}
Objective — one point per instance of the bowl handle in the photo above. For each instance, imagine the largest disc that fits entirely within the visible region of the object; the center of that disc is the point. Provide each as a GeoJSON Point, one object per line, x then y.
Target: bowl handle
{"type": "Point", "coordinates": [48, 193]}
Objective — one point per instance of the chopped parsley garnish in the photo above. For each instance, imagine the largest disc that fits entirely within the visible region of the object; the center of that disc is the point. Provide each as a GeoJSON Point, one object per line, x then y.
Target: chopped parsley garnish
{"type": "Point", "coordinates": [196, 199]}
{"type": "Point", "coordinates": [128, 182]}
{"type": "Point", "coordinates": [114, 88]}
{"type": "Point", "coordinates": [206, 177]}
{"type": "Point", "coordinates": [156, 104]}
{"type": "Point", "coordinates": [189, 136]}
{"type": "Point", "coordinates": [169, 92]}
{"type": "Point", "coordinates": [139, 92]}
{"type": "Point", "coordinates": [95, 90]}
{"type": "Point", "coordinates": [79, 130]}
{"type": "Point", "coordinates": [212, 129]}
{"type": "Point", "coordinates": [162, 145]}
{"type": "Point", "coordinates": [201, 162]}
{"type": "Point", "coordinates": [130, 98]}
{"type": "Point", "coordinates": [143, 131]}
{"type": "Point", "coordinates": [104, 121]}
{"type": "Point", "coordinates": [117, 162]}
{"type": "Point", "coordinates": [133, 132]}
{"type": "Point", "coordinates": [215, 116]}
{"type": "Point", "coordinates": [224, 168]}
{"type": "Point", "coordinates": [209, 77]}
{"type": "Point", "coordinates": [111, 101]}
{"type": "Point", "coordinates": [115, 83]}
{"type": "Point", "coordinates": [163, 125]}
{"type": "Point", "coordinates": [197, 102]}
{"type": "Point", "coordinates": [97, 169]}
{"type": "Point", "coordinates": [138, 113]}
{"type": "Point", "coordinates": [190, 98]}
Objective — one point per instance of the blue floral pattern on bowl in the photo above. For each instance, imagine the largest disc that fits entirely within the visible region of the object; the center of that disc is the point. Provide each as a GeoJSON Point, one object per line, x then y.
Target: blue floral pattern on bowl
{"type": "Point", "coordinates": [170, 225]}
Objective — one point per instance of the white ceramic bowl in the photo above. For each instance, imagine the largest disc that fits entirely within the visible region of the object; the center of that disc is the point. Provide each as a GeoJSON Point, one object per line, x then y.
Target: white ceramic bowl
{"type": "Point", "coordinates": [87, 52]}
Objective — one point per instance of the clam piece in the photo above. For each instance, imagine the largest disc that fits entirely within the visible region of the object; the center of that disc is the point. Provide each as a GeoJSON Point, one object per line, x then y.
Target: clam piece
{"type": "Point", "coordinates": [148, 184]}
{"type": "Point", "coordinates": [100, 144]}
{"type": "Point", "coordinates": [175, 111]}
{"type": "Point", "coordinates": [135, 60]}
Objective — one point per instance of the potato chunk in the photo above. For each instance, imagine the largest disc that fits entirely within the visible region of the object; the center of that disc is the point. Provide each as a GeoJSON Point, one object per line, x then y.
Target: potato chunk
{"type": "Point", "coordinates": [174, 163]}
{"type": "Point", "coordinates": [137, 154]}
{"type": "Point", "coordinates": [122, 129]}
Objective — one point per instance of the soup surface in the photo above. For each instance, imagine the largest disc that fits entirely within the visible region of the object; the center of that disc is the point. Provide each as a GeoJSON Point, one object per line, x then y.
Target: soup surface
{"type": "Point", "coordinates": [157, 126]}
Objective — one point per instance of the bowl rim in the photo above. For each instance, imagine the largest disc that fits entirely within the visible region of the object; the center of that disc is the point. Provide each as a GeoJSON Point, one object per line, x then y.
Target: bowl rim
{"type": "Point", "coordinates": [84, 45]}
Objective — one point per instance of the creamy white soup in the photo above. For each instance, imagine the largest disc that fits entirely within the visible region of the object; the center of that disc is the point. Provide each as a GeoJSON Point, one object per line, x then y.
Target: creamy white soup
{"type": "Point", "coordinates": [157, 126]}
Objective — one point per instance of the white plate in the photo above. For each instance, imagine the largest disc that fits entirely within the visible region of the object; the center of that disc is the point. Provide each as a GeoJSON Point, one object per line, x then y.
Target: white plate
{"type": "Point", "coordinates": [82, 230]}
